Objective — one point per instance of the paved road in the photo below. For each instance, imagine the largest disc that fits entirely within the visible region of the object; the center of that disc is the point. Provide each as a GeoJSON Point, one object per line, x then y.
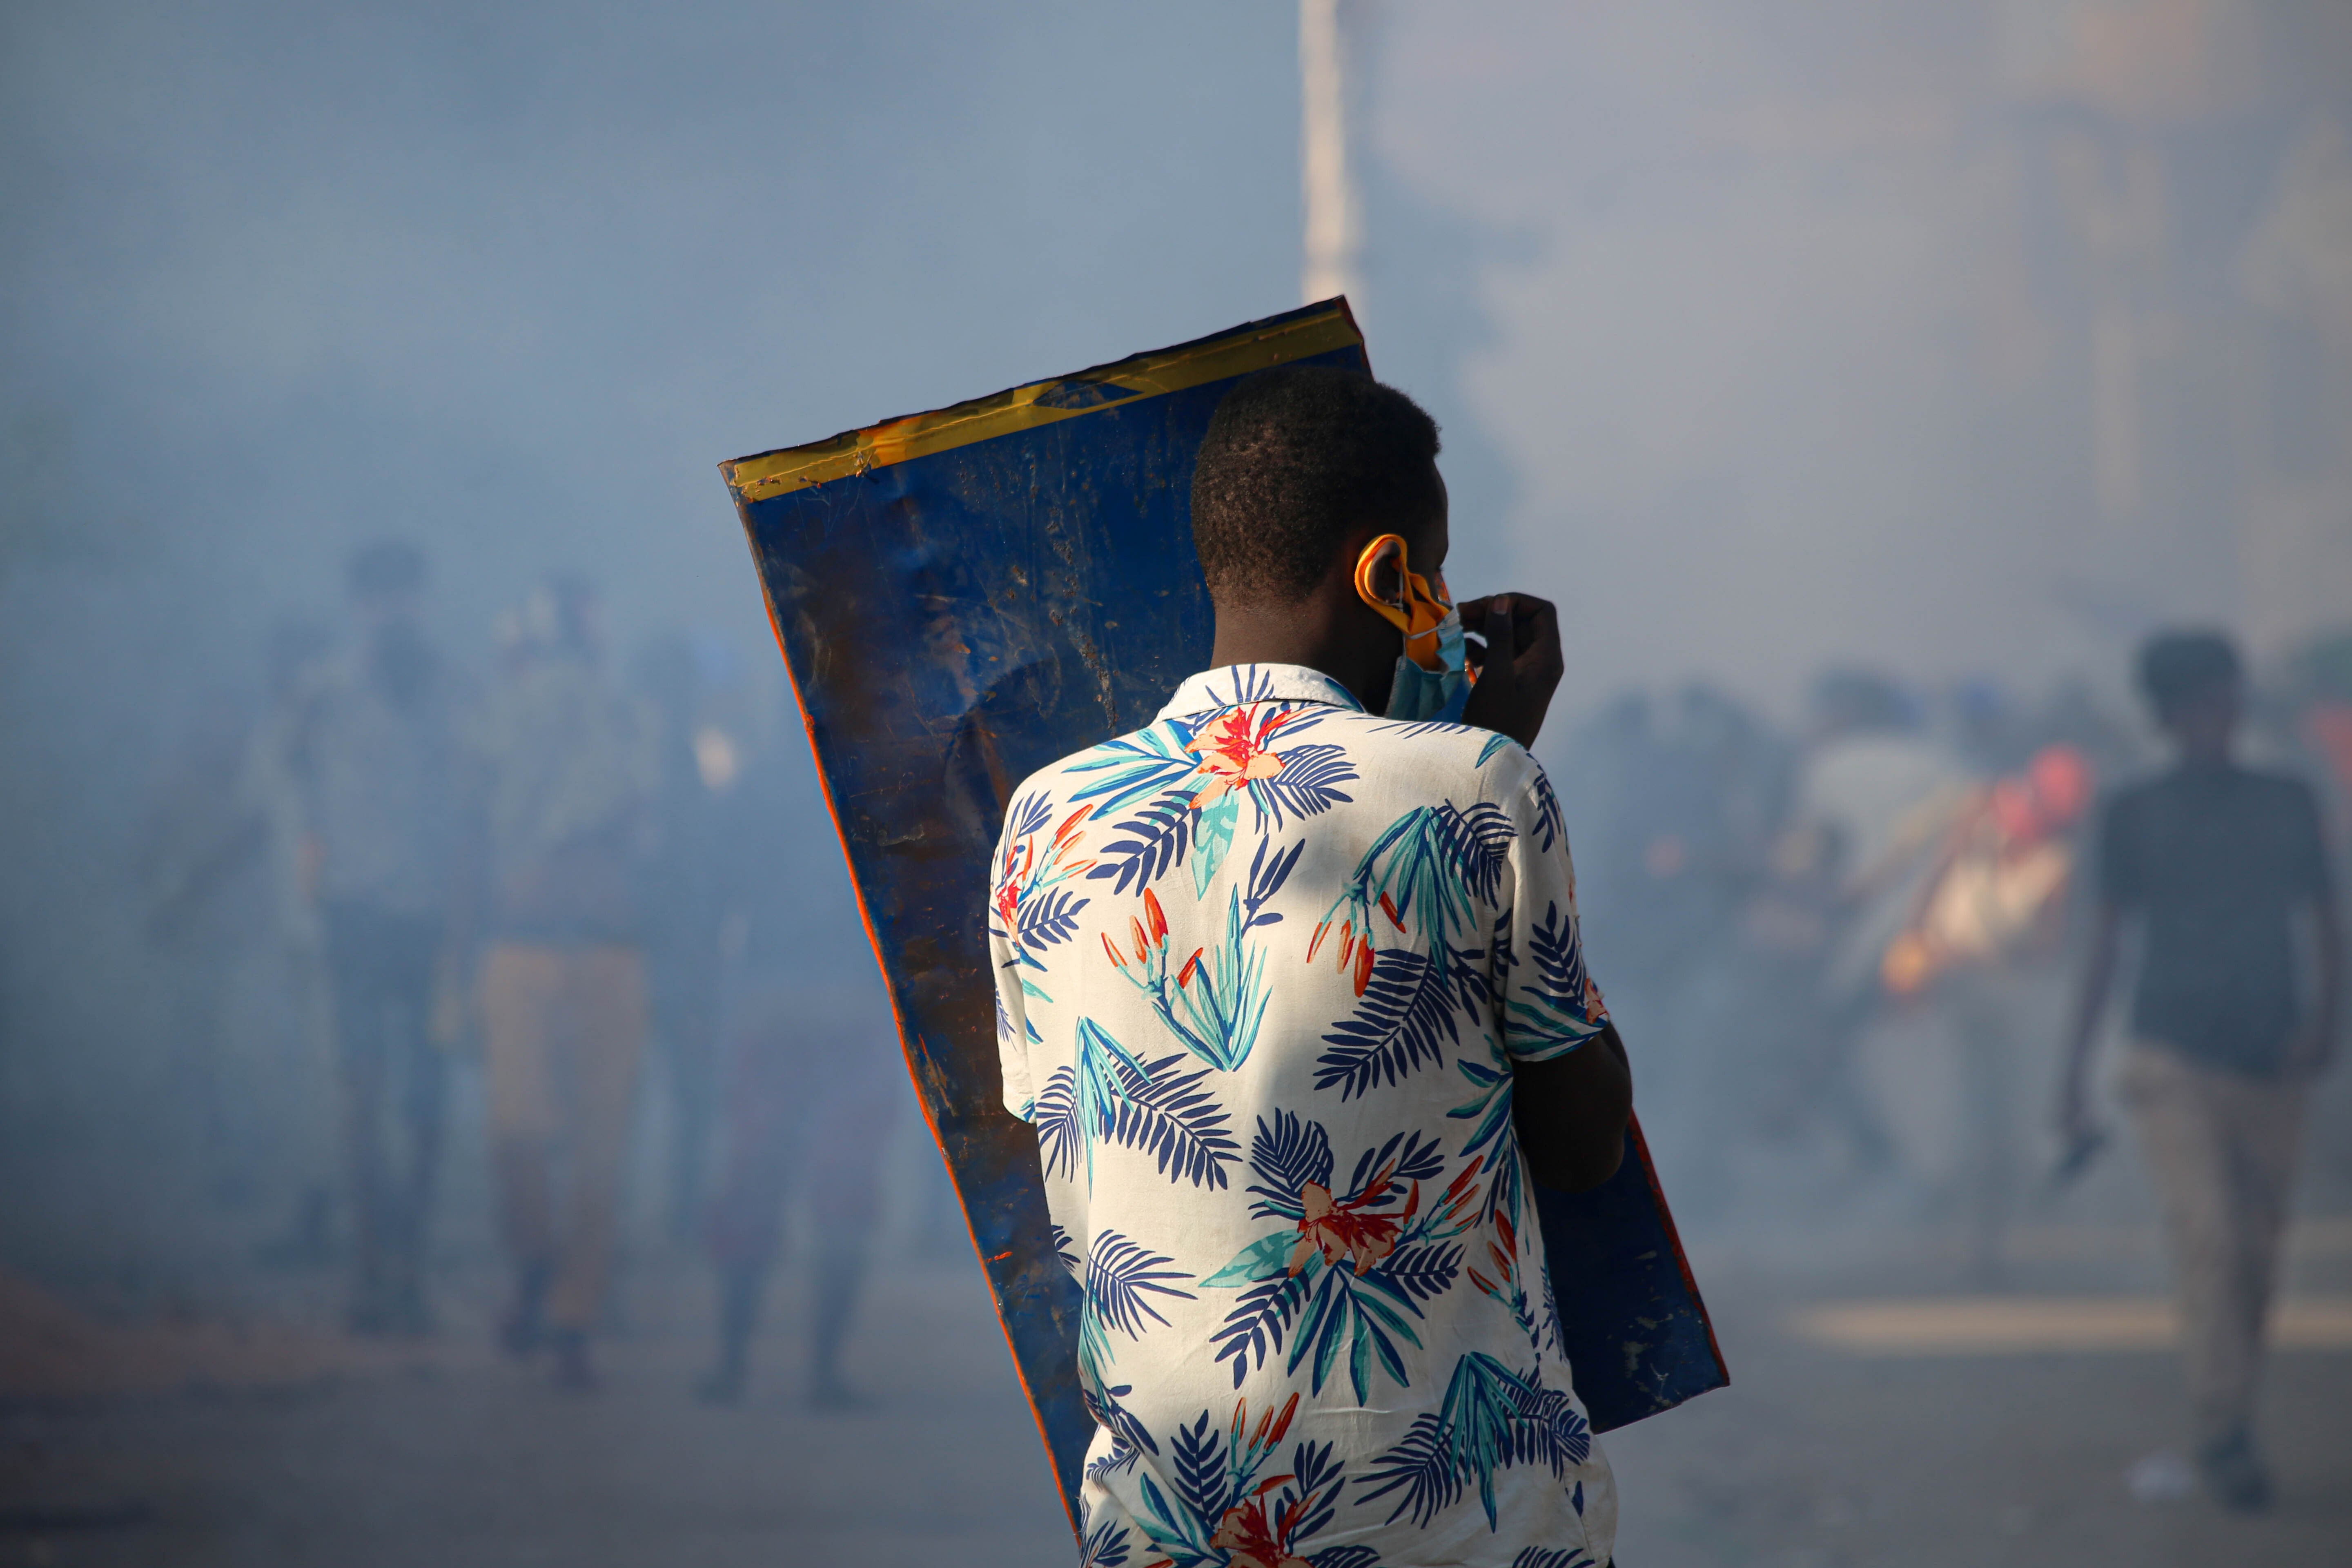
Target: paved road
{"type": "Point", "coordinates": [1815, 1458]}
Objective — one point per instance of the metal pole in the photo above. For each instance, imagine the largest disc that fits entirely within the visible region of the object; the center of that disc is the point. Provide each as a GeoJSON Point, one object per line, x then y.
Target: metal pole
{"type": "Point", "coordinates": [1331, 222]}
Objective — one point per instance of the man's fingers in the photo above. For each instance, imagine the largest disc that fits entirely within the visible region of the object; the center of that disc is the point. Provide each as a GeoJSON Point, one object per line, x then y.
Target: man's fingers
{"type": "Point", "coordinates": [1530, 619]}
{"type": "Point", "coordinates": [1501, 654]}
{"type": "Point", "coordinates": [1497, 624]}
{"type": "Point", "coordinates": [1546, 660]}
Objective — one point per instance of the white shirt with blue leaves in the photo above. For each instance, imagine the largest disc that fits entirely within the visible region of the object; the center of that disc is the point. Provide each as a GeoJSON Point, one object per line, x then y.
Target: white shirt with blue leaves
{"type": "Point", "coordinates": [1263, 971]}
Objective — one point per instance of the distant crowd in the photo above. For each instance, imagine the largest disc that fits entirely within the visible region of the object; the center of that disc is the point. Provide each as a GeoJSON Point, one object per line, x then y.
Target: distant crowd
{"type": "Point", "coordinates": [392, 863]}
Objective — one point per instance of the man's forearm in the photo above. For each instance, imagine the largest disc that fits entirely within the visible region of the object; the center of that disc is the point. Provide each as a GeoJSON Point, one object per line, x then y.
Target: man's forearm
{"type": "Point", "coordinates": [1572, 1113]}
{"type": "Point", "coordinates": [2090, 1002]}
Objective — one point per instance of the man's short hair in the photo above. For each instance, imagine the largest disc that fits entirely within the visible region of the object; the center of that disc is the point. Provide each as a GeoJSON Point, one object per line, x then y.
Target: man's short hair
{"type": "Point", "coordinates": [1293, 459]}
{"type": "Point", "coordinates": [387, 566]}
{"type": "Point", "coordinates": [2177, 667]}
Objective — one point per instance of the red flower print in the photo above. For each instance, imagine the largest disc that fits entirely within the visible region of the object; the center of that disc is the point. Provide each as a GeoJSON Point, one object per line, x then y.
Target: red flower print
{"type": "Point", "coordinates": [1339, 1230]}
{"type": "Point", "coordinates": [1254, 1540]}
{"type": "Point", "coordinates": [1232, 755]}
{"type": "Point", "coordinates": [1354, 950]}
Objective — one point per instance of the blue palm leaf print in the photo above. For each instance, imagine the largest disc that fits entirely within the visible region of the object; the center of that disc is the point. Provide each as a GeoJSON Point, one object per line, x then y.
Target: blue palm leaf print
{"type": "Point", "coordinates": [1028, 815]}
{"type": "Point", "coordinates": [1110, 1096]}
{"type": "Point", "coordinates": [1503, 955]}
{"type": "Point", "coordinates": [1200, 1459]}
{"type": "Point", "coordinates": [1047, 919]}
{"type": "Point", "coordinates": [1063, 1138]}
{"type": "Point", "coordinates": [1265, 880]}
{"type": "Point", "coordinates": [1410, 1004]}
{"type": "Point", "coordinates": [1121, 1276]}
{"type": "Point", "coordinates": [1558, 957]}
{"type": "Point", "coordinates": [1477, 842]}
{"type": "Point", "coordinates": [1130, 1437]}
{"type": "Point", "coordinates": [1137, 765]}
{"type": "Point", "coordinates": [1419, 1161]}
{"type": "Point", "coordinates": [1424, 1273]}
{"type": "Point", "coordinates": [1427, 868]}
{"type": "Point", "coordinates": [1553, 1012]}
{"type": "Point", "coordinates": [1550, 1557]}
{"type": "Point", "coordinates": [1254, 1329]}
{"type": "Point", "coordinates": [1307, 785]}
{"type": "Point", "coordinates": [1492, 1419]}
{"type": "Point", "coordinates": [1313, 1497]}
{"type": "Point", "coordinates": [1245, 686]}
{"type": "Point", "coordinates": [1171, 1118]}
{"type": "Point", "coordinates": [1101, 1545]}
{"type": "Point", "coordinates": [1550, 826]}
{"type": "Point", "coordinates": [1155, 841]}
{"type": "Point", "coordinates": [1494, 744]}
{"type": "Point", "coordinates": [1285, 1157]}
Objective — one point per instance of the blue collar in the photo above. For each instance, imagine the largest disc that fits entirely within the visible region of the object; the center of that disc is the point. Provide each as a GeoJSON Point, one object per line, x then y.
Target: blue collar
{"type": "Point", "coordinates": [1231, 685]}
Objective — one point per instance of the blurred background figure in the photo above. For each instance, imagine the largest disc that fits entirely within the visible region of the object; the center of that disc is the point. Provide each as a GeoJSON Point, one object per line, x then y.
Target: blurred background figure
{"type": "Point", "coordinates": [566, 778]}
{"type": "Point", "coordinates": [1875, 796]}
{"type": "Point", "coordinates": [224, 865]}
{"type": "Point", "coordinates": [1980, 947]}
{"type": "Point", "coordinates": [695, 687]}
{"type": "Point", "coordinates": [813, 1074]}
{"type": "Point", "coordinates": [372, 745]}
{"type": "Point", "coordinates": [2217, 867]}
{"type": "Point", "coordinates": [1673, 809]}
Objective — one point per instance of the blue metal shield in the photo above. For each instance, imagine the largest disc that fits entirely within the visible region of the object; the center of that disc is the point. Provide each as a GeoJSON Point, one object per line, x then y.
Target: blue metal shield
{"type": "Point", "coordinates": [964, 596]}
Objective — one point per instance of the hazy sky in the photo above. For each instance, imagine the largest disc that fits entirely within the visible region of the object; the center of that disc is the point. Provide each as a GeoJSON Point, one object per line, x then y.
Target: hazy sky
{"type": "Point", "coordinates": [1929, 335]}
{"type": "Point", "coordinates": [515, 279]}
{"type": "Point", "coordinates": [1750, 339]}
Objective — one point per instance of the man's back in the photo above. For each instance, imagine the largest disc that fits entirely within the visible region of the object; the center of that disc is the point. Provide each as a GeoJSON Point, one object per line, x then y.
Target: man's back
{"type": "Point", "coordinates": [2216, 861]}
{"type": "Point", "coordinates": [1263, 968]}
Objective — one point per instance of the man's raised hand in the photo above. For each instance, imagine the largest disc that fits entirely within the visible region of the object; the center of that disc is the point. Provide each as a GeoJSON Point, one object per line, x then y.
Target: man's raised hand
{"type": "Point", "coordinates": [1522, 665]}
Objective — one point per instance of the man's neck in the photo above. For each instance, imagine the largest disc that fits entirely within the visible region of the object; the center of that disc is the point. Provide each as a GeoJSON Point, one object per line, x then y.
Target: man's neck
{"type": "Point", "coordinates": [1302, 634]}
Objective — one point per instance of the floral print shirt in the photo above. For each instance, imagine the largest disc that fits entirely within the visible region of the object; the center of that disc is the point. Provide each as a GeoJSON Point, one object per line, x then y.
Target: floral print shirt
{"type": "Point", "coordinates": [1263, 972]}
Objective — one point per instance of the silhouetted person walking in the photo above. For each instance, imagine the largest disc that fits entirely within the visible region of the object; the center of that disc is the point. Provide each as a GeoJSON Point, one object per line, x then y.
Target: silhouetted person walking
{"type": "Point", "coordinates": [372, 748]}
{"type": "Point", "coordinates": [567, 774]}
{"type": "Point", "coordinates": [2216, 865]}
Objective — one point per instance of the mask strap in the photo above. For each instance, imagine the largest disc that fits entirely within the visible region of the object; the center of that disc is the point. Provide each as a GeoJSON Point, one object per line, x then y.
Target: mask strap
{"type": "Point", "coordinates": [1421, 614]}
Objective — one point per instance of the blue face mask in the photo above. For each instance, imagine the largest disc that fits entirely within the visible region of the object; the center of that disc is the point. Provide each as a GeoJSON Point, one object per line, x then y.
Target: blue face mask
{"type": "Point", "coordinates": [1433, 681]}
{"type": "Point", "coordinates": [1418, 694]}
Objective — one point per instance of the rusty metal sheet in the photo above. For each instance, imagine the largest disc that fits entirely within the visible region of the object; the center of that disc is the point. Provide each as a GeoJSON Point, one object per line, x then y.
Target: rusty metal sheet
{"type": "Point", "coordinates": [966, 595]}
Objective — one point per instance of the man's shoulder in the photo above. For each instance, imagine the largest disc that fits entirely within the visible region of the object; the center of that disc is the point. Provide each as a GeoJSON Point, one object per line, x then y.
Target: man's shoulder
{"type": "Point", "coordinates": [1442, 754]}
{"type": "Point", "coordinates": [2262, 787]}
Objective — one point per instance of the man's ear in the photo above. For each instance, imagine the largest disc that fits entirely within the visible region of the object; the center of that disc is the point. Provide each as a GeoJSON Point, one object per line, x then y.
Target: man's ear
{"type": "Point", "coordinates": [1387, 575]}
